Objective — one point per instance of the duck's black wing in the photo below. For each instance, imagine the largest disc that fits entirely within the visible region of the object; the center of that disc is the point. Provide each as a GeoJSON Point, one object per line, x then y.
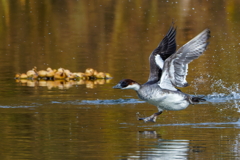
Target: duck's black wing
{"type": "Point", "coordinates": [165, 49]}
{"type": "Point", "coordinates": [176, 66]}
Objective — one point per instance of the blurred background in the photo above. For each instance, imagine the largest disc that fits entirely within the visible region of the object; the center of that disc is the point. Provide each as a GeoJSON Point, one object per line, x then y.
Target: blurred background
{"type": "Point", "coordinates": [91, 120]}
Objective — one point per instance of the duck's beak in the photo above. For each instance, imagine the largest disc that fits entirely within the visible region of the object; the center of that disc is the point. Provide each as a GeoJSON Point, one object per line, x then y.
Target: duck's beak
{"type": "Point", "coordinates": [118, 86]}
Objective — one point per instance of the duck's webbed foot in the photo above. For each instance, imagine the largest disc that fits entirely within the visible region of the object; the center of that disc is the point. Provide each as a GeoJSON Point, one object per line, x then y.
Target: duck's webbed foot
{"type": "Point", "coordinates": [151, 118]}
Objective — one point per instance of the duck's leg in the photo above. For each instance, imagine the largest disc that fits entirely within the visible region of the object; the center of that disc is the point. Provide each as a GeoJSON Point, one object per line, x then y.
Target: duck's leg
{"type": "Point", "coordinates": [151, 118]}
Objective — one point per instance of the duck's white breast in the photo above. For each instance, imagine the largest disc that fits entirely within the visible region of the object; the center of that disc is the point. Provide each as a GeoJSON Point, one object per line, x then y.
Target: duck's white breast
{"type": "Point", "coordinates": [166, 100]}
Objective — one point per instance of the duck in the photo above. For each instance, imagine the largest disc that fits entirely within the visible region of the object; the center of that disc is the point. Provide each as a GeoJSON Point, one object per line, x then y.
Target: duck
{"type": "Point", "coordinates": [67, 72]}
{"type": "Point", "coordinates": [80, 75]}
{"type": "Point", "coordinates": [108, 76]}
{"type": "Point", "coordinates": [168, 70]}
{"type": "Point", "coordinates": [100, 75]}
{"type": "Point", "coordinates": [50, 73]}
{"type": "Point", "coordinates": [69, 75]}
{"type": "Point", "coordinates": [23, 76]}
{"type": "Point", "coordinates": [89, 72]}
{"type": "Point", "coordinates": [60, 74]}
{"type": "Point", "coordinates": [17, 76]}
{"type": "Point", "coordinates": [32, 74]}
{"type": "Point", "coordinates": [42, 73]}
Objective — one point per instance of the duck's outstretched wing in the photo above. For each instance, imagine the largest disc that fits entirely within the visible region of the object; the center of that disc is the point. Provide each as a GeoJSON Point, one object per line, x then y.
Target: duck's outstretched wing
{"type": "Point", "coordinates": [165, 49]}
{"type": "Point", "coordinates": [176, 66]}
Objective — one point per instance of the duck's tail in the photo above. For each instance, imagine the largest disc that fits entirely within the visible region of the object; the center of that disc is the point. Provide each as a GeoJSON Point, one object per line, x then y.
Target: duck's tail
{"type": "Point", "coordinates": [195, 100]}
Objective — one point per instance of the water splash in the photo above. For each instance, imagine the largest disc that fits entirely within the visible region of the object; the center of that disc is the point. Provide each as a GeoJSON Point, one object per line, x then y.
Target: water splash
{"type": "Point", "coordinates": [223, 92]}
{"type": "Point", "coordinates": [222, 97]}
{"type": "Point", "coordinates": [221, 86]}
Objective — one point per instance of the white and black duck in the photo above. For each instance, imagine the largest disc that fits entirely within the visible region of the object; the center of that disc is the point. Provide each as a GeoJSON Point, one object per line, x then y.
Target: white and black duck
{"type": "Point", "coordinates": [168, 70]}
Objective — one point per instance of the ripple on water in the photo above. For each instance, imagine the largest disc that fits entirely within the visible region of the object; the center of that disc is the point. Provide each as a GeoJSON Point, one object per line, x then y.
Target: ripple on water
{"type": "Point", "coordinates": [17, 106]}
{"type": "Point", "coordinates": [98, 101]}
{"type": "Point", "coordinates": [205, 125]}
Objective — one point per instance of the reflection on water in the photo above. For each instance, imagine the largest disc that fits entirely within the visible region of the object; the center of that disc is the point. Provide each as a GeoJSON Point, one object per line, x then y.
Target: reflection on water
{"type": "Point", "coordinates": [61, 84]}
{"type": "Point", "coordinates": [161, 148]}
{"type": "Point", "coordinates": [116, 37]}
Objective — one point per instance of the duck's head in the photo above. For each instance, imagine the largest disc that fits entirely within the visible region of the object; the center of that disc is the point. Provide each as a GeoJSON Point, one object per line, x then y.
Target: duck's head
{"type": "Point", "coordinates": [89, 71]}
{"type": "Point", "coordinates": [127, 84]}
{"type": "Point", "coordinates": [49, 69]}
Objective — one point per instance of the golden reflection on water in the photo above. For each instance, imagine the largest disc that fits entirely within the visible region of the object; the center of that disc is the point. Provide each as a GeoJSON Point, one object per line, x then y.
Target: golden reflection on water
{"type": "Point", "coordinates": [115, 37]}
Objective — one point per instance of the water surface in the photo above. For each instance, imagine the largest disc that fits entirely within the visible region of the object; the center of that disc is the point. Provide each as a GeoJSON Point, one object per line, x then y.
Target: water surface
{"type": "Point", "coordinates": [90, 120]}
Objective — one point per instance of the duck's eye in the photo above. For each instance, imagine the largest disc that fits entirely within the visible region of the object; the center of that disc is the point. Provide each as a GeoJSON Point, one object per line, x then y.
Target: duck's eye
{"type": "Point", "coordinates": [124, 84]}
